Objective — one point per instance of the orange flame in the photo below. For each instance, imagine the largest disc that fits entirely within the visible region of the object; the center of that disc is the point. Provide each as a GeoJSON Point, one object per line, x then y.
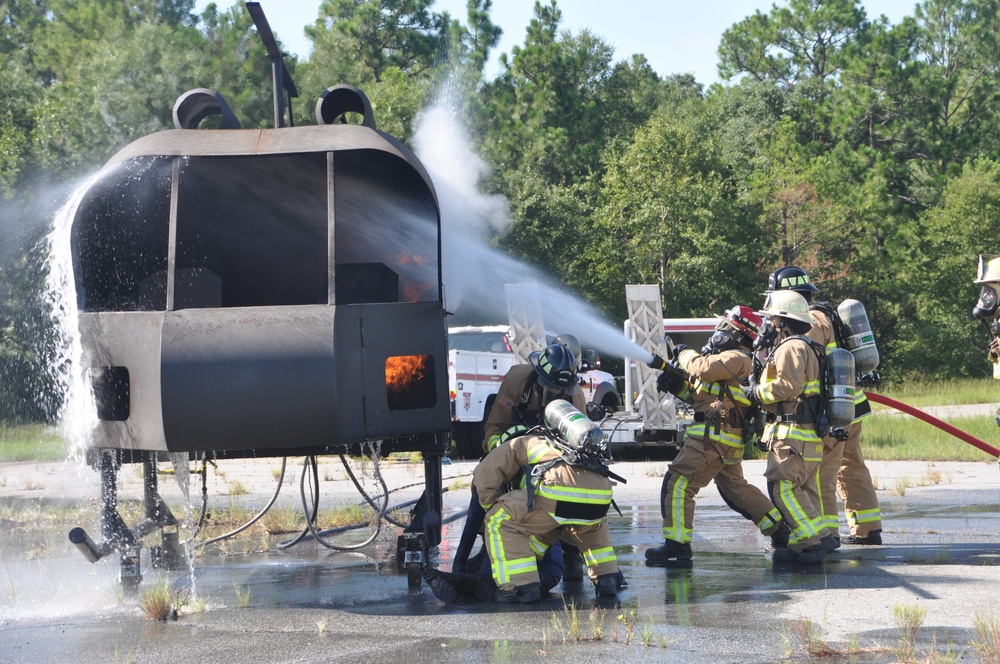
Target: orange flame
{"type": "Point", "coordinates": [403, 370]}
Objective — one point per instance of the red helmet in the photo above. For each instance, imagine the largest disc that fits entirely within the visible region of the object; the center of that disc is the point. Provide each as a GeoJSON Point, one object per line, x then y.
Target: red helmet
{"type": "Point", "coordinates": [744, 320]}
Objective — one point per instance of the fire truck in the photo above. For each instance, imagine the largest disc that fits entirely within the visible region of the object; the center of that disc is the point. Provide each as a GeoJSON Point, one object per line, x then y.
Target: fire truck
{"type": "Point", "coordinates": [478, 359]}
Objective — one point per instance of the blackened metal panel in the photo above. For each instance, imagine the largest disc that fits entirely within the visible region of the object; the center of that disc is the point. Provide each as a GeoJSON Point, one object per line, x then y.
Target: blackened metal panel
{"type": "Point", "coordinates": [389, 331]}
{"type": "Point", "coordinates": [130, 340]}
{"type": "Point", "coordinates": [247, 378]}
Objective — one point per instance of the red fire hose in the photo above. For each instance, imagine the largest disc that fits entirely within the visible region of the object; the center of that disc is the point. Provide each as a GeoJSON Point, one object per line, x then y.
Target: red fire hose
{"type": "Point", "coordinates": [930, 419]}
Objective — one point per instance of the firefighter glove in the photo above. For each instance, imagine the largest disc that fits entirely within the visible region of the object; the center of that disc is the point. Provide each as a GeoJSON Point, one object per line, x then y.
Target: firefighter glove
{"type": "Point", "coordinates": [595, 411]}
{"type": "Point", "coordinates": [670, 381]}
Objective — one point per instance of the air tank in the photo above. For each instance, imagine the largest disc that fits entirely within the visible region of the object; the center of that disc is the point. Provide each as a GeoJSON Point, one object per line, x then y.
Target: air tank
{"type": "Point", "coordinates": [861, 341]}
{"type": "Point", "coordinates": [840, 393]}
{"type": "Point", "coordinates": [574, 427]}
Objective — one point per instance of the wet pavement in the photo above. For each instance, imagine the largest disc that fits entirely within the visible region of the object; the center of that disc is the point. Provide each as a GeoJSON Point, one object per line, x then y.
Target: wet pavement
{"type": "Point", "coordinates": [310, 604]}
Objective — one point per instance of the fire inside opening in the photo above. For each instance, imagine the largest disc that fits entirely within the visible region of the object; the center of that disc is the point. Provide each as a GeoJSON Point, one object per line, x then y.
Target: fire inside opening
{"type": "Point", "coordinates": [409, 382]}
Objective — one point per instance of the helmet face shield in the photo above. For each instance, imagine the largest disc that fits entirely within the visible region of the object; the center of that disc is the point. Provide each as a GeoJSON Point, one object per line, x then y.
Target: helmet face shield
{"type": "Point", "coordinates": [986, 307]}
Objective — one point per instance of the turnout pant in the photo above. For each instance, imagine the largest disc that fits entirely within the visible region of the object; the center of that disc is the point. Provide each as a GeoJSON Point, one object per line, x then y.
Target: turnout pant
{"type": "Point", "coordinates": [843, 471]}
{"type": "Point", "coordinates": [699, 462]}
{"type": "Point", "coordinates": [791, 471]}
{"type": "Point", "coordinates": [517, 538]}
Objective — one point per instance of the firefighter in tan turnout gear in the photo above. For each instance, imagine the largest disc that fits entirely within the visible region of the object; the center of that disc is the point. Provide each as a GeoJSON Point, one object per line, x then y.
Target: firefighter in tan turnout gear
{"type": "Point", "coordinates": [843, 466]}
{"type": "Point", "coordinates": [789, 390]}
{"type": "Point", "coordinates": [561, 499]}
{"type": "Point", "coordinates": [713, 445]}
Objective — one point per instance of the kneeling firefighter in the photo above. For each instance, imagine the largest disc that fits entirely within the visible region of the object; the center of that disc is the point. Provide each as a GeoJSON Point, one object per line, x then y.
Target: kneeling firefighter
{"type": "Point", "coordinates": [713, 445]}
{"type": "Point", "coordinates": [524, 392]}
{"type": "Point", "coordinates": [566, 494]}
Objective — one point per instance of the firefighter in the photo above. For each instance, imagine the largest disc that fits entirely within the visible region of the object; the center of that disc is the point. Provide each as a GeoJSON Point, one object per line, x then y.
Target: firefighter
{"type": "Point", "coordinates": [843, 467]}
{"type": "Point", "coordinates": [520, 402]}
{"type": "Point", "coordinates": [561, 500]}
{"type": "Point", "coordinates": [987, 311]}
{"type": "Point", "coordinates": [789, 390]}
{"type": "Point", "coordinates": [713, 445]}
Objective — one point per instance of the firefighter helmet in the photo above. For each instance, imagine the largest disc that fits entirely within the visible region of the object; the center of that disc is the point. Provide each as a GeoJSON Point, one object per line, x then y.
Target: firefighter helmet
{"type": "Point", "coordinates": [790, 278]}
{"type": "Point", "coordinates": [573, 344]}
{"type": "Point", "coordinates": [786, 304]}
{"type": "Point", "coordinates": [989, 269]}
{"type": "Point", "coordinates": [555, 367]}
{"type": "Point", "coordinates": [743, 319]}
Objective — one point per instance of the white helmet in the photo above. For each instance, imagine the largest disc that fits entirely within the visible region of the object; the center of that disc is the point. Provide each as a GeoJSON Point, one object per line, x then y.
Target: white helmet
{"type": "Point", "coordinates": [786, 304]}
{"type": "Point", "coordinates": [989, 269]}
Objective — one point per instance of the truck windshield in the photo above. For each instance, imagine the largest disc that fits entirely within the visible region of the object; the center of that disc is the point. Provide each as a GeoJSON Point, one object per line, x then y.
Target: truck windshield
{"type": "Point", "coordinates": [490, 342]}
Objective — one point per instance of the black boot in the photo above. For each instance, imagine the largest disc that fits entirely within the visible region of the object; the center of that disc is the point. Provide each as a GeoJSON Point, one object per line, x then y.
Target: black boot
{"type": "Point", "coordinates": [440, 586]}
{"type": "Point", "coordinates": [572, 563]}
{"type": "Point", "coordinates": [607, 585]}
{"type": "Point", "coordinates": [779, 538]}
{"type": "Point", "coordinates": [669, 550]}
{"type": "Point", "coordinates": [874, 538]}
{"type": "Point", "coordinates": [526, 594]}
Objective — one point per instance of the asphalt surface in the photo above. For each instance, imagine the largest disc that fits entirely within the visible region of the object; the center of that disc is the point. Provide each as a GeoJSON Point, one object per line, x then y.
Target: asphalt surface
{"type": "Point", "coordinates": [308, 604]}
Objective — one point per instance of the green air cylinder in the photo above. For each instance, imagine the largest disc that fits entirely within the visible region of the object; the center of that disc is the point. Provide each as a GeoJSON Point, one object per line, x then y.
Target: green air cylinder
{"type": "Point", "coordinates": [840, 392]}
{"type": "Point", "coordinates": [861, 341]}
{"type": "Point", "coordinates": [574, 427]}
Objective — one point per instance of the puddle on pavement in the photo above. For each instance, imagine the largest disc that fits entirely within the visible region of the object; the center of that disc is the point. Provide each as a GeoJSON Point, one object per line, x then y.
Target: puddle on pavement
{"type": "Point", "coordinates": [45, 577]}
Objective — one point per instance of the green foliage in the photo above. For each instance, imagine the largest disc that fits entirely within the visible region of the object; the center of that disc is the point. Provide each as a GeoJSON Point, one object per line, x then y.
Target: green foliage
{"type": "Point", "coordinates": [865, 152]}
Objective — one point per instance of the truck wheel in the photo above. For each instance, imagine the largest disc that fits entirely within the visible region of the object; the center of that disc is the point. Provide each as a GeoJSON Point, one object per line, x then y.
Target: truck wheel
{"type": "Point", "coordinates": [611, 401]}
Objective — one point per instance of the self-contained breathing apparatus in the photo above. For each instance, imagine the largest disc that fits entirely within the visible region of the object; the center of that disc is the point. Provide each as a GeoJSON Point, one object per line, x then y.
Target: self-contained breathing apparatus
{"type": "Point", "coordinates": [832, 411]}
{"type": "Point", "coordinates": [577, 437]}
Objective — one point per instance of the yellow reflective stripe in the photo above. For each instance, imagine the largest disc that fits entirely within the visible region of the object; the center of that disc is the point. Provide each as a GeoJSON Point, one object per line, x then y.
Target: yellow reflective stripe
{"type": "Point", "coordinates": [493, 442]}
{"type": "Point", "coordinates": [495, 545]}
{"type": "Point", "coordinates": [678, 497]}
{"type": "Point", "coordinates": [864, 516]}
{"type": "Point", "coordinates": [811, 388]}
{"type": "Point", "coordinates": [791, 431]}
{"type": "Point", "coordinates": [565, 521]}
{"type": "Point", "coordinates": [707, 388]}
{"type": "Point", "coordinates": [572, 494]}
{"type": "Point", "coordinates": [696, 430]}
{"type": "Point", "coordinates": [594, 557]}
{"type": "Point", "coordinates": [538, 546]}
{"type": "Point", "coordinates": [732, 440]}
{"type": "Point", "coordinates": [772, 518]}
{"type": "Point", "coordinates": [739, 396]}
{"type": "Point", "coordinates": [805, 527]}
{"type": "Point", "coordinates": [539, 450]}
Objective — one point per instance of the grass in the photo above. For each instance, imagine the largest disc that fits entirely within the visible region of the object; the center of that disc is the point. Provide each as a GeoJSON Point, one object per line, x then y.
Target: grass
{"type": "Point", "coordinates": [909, 619]}
{"type": "Point", "coordinates": [891, 438]}
{"type": "Point", "coordinates": [31, 442]}
{"type": "Point", "coordinates": [159, 602]}
{"type": "Point", "coordinates": [987, 639]}
{"type": "Point", "coordinates": [920, 393]}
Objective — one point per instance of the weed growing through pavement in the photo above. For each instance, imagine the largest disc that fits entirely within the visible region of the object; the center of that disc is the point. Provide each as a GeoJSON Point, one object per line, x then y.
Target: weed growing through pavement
{"type": "Point", "coordinates": [810, 636]}
{"type": "Point", "coordinates": [243, 595]}
{"type": "Point", "coordinates": [932, 476]}
{"type": "Point", "coordinates": [459, 483]}
{"type": "Point", "coordinates": [159, 601]}
{"type": "Point", "coordinates": [909, 619]}
{"type": "Point", "coordinates": [900, 486]}
{"type": "Point", "coordinates": [237, 488]}
{"type": "Point", "coordinates": [987, 639]}
{"type": "Point", "coordinates": [655, 471]}
{"type": "Point", "coordinates": [321, 625]}
{"type": "Point", "coordinates": [627, 619]}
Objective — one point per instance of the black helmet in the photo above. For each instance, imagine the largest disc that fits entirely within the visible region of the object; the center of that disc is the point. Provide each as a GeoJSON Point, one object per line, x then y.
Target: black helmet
{"type": "Point", "coordinates": [555, 367]}
{"type": "Point", "coordinates": [790, 278]}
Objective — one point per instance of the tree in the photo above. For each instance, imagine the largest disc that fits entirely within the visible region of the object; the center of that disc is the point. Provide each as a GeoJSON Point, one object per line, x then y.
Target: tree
{"type": "Point", "coordinates": [805, 40]}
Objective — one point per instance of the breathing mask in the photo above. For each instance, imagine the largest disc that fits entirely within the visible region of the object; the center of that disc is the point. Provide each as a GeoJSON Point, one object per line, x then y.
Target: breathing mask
{"type": "Point", "coordinates": [986, 307]}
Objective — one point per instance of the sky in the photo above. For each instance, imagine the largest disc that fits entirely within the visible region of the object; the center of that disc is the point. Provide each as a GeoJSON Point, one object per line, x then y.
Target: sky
{"type": "Point", "coordinates": [676, 36]}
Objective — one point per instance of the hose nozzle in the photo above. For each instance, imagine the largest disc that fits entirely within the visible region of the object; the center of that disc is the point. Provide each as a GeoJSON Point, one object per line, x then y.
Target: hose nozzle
{"type": "Point", "coordinates": [658, 363]}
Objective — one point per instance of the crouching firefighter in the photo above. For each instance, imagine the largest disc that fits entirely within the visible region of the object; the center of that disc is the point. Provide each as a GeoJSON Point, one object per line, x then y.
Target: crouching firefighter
{"type": "Point", "coordinates": [713, 445]}
{"type": "Point", "coordinates": [565, 495]}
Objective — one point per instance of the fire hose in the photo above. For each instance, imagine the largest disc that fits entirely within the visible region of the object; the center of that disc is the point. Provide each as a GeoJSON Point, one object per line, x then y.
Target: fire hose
{"type": "Point", "coordinates": [930, 419]}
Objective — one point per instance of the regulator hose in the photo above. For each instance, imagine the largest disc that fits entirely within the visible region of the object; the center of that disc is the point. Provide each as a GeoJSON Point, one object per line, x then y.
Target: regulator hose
{"type": "Point", "coordinates": [930, 419]}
